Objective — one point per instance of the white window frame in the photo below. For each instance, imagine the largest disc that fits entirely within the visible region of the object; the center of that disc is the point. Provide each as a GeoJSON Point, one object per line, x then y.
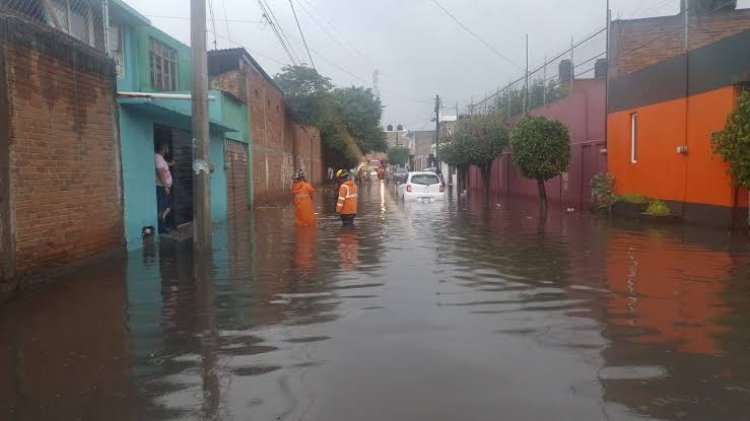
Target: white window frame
{"type": "Point", "coordinates": [634, 138]}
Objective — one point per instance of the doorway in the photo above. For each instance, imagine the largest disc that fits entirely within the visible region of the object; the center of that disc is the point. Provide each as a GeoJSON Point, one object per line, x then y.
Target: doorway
{"type": "Point", "coordinates": [181, 153]}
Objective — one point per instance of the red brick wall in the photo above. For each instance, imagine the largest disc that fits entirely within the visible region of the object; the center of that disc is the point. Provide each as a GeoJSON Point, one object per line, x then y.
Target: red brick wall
{"type": "Point", "coordinates": [280, 145]}
{"type": "Point", "coordinates": [639, 43]}
{"type": "Point", "coordinates": [64, 153]}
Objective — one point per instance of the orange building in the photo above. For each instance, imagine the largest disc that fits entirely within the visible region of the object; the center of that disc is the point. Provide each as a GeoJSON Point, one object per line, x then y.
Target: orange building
{"type": "Point", "coordinates": [673, 81]}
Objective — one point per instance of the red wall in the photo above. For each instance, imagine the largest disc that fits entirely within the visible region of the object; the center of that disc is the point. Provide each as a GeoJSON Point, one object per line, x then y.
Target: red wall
{"type": "Point", "coordinates": [584, 115]}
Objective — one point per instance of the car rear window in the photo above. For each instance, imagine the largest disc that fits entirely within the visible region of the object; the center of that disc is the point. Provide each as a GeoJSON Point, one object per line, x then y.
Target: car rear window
{"type": "Point", "coordinates": [425, 179]}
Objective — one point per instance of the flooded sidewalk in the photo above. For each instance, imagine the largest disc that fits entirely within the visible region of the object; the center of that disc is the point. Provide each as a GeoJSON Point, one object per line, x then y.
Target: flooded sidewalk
{"type": "Point", "coordinates": [443, 311]}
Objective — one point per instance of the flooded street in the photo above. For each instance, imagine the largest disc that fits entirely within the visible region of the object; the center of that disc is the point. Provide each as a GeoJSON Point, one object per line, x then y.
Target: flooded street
{"type": "Point", "coordinates": [455, 311]}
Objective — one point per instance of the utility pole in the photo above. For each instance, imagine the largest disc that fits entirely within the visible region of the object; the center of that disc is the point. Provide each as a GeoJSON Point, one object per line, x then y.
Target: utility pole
{"type": "Point", "coordinates": [526, 101]}
{"type": "Point", "coordinates": [437, 131]}
{"type": "Point", "coordinates": [202, 241]}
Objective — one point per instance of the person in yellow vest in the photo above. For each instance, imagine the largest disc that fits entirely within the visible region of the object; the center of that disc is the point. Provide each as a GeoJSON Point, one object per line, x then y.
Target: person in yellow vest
{"type": "Point", "coordinates": [346, 206]}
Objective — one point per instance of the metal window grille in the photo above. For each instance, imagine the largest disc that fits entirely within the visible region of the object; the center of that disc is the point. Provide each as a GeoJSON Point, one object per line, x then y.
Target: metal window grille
{"type": "Point", "coordinates": [83, 20]}
{"type": "Point", "coordinates": [164, 67]}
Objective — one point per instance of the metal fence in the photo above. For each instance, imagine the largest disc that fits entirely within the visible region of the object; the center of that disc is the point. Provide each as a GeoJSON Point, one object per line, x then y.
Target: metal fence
{"type": "Point", "coordinates": [551, 79]}
{"type": "Point", "coordinates": [84, 20]}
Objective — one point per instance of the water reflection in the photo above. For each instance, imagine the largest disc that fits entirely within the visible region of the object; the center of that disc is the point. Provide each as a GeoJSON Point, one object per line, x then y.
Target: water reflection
{"type": "Point", "coordinates": [447, 311]}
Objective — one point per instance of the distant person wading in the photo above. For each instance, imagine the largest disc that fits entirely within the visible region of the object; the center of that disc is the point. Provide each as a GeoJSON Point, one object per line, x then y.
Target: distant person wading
{"type": "Point", "coordinates": [346, 206]}
{"type": "Point", "coordinates": [304, 210]}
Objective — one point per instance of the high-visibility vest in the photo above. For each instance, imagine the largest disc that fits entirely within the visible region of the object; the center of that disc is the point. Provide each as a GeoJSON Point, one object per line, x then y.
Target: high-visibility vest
{"type": "Point", "coordinates": [347, 203]}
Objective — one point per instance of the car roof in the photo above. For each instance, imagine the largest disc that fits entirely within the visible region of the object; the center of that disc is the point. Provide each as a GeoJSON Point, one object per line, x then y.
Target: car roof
{"type": "Point", "coordinates": [423, 173]}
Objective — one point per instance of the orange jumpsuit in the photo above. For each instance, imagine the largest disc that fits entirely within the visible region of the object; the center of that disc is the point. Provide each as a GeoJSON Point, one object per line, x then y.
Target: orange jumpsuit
{"type": "Point", "coordinates": [304, 211]}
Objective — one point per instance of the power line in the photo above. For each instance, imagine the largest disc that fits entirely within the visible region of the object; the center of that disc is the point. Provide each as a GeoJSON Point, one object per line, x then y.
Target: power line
{"type": "Point", "coordinates": [213, 22]}
{"type": "Point", "coordinates": [226, 19]}
{"type": "Point", "coordinates": [277, 27]}
{"type": "Point", "coordinates": [472, 33]}
{"type": "Point", "coordinates": [333, 35]}
{"type": "Point", "coordinates": [257, 22]}
{"type": "Point", "coordinates": [302, 34]}
{"type": "Point", "coordinates": [269, 18]}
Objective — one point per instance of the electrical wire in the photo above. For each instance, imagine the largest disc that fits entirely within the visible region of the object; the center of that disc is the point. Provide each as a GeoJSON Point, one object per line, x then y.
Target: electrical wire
{"type": "Point", "coordinates": [213, 22]}
{"type": "Point", "coordinates": [473, 34]}
{"type": "Point", "coordinates": [277, 27]}
{"type": "Point", "coordinates": [226, 19]}
{"type": "Point", "coordinates": [302, 34]}
{"type": "Point", "coordinates": [269, 18]}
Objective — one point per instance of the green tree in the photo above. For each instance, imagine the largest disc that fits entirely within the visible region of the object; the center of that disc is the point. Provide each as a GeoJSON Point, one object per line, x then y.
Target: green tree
{"type": "Point", "coordinates": [481, 139]}
{"type": "Point", "coordinates": [348, 118]}
{"type": "Point", "coordinates": [541, 150]}
{"type": "Point", "coordinates": [450, 152]}
{"type": "Point", "coordinates": [308, 94]}
{"type": "Point", "coordinates": [398, 156]}
{"type": "Point", "coordinates": [360, 111]}
{"type": "Point", "coordinates": [733, 143]}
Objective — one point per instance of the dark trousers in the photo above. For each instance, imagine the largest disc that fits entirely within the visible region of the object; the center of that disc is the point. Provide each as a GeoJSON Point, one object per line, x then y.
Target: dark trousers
{"type": "Point", "coordinates": [347, 219]}
{"type": "Point", "coordinates": [163, 202]}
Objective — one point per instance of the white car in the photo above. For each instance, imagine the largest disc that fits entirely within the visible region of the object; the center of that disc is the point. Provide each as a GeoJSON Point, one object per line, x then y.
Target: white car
{"type": "Point", "coordinates": [422, 186]}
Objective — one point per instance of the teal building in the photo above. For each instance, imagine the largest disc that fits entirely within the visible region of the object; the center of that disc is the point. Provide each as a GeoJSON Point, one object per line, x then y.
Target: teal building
{"type": "Point", "coordinates": [153, 83]}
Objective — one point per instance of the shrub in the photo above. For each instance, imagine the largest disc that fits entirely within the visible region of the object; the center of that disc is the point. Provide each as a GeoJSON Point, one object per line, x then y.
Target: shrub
{"type": "Point", "coordinates": [658, 208]}
{"type": "Point", "coordinates": [603, 189]}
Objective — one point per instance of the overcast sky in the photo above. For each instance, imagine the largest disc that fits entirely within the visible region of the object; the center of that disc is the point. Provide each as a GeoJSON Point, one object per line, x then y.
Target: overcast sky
{"type": "Point", "coordinates": [418, 50]}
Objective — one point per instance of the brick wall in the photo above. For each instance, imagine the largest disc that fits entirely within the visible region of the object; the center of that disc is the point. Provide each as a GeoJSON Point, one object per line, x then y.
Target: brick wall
{"type": "Point", "coordinates": [639, 43]}
{"type": "Point", "coordinates": [280, 145]}
{"type": "Point", "coordinates": [63, 149]}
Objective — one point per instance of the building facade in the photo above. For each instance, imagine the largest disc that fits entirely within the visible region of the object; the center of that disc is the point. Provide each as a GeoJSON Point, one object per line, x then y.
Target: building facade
{"type": "Point", "coordinates": [279, 144]}
{"type": "Point", "coordinates": [673, 81]}
{"type": "Point", "coordinates": [153, 82]}
{"type": "Point", "coordinates": [60, 200]}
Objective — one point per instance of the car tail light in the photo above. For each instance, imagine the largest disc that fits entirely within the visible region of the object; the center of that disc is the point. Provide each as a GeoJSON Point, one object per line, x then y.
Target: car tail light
{"type": "Point", "coordinates": [408, 188]}
{"type": "Point", "coordinates": [442, 187]}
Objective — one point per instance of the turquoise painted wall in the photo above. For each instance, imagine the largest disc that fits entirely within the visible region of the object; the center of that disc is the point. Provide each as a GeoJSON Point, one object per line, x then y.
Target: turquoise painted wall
{"type": "Point", "coordinates": [139, 176]}
{"type": "Point", "coordinates": [136, 130]}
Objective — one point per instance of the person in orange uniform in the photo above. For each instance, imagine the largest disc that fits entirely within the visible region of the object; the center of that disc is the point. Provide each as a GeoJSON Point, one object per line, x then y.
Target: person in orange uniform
{"type": "Point", "coordinates": [304, 211]}
{"type": "Point", "coordinates": [346, 206]}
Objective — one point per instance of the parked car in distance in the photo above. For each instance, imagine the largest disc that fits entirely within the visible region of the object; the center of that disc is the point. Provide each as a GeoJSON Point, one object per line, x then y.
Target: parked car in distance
{"type": "Point", "coordinates": [421, 186]}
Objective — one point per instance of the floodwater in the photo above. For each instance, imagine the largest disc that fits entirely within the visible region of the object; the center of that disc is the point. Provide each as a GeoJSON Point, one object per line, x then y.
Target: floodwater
{"type": "Point", "coordinates": [455, 311]}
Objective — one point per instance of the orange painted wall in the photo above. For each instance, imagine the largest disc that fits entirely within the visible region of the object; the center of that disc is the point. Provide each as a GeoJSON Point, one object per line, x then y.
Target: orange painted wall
{"type": "Point", "coordinates": [661, 173]}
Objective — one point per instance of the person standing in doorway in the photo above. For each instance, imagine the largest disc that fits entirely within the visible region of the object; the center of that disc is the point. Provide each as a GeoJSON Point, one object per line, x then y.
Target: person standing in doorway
{"type": "Point", "coordinates": [163, 186]}
{"type": "Point", "coordinates": [304, 210]}
{"type": "Point", "coordinates": [346, 206]}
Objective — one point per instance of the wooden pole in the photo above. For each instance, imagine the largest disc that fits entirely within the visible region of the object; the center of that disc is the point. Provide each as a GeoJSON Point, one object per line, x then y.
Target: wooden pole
{"type": "Point", "coordinates": [202, 241]}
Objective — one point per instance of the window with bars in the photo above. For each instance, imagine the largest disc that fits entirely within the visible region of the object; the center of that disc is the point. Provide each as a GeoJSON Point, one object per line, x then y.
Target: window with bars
{"type": "Point", "coordinates": [164, 67]}
{"type": "Point", "coordinates": [116, 47]}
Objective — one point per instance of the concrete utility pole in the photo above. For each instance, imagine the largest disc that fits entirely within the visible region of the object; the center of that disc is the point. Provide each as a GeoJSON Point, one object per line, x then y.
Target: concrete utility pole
{"type": "Point", "coordinates": [437, 131]}
{"type": "Point", "coordinates": [202, 241]}
{"type": "Point", "coordinates": [526, 87]}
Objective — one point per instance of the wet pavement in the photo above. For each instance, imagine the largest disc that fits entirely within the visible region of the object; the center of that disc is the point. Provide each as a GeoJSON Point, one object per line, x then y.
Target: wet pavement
{"type": "Point", "coordinates": [455, 311]}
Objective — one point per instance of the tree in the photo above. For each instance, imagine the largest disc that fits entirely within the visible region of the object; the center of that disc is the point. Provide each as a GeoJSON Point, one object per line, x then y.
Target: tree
{"type": "Point", "coordinates": [348, 118]}
{"type": "Point", "coordinates": [398, 156]}
{"type": "Point", "coordinates": [733, 143]}
{"type": "Point", "coordinates": [389, 128]}
{"type": "Point", "coordinates": [360, 112]}
{"type": "Point", "coordinates": [541, 150]}
{"type": "Point", "coordinates": [400, 127]}
{"type": "Point", "coordinates": [478, 140]}
{"type": "Point", "coordinates": [306, 92]}
{"type": "Point", "coordinates": [450, 152]}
